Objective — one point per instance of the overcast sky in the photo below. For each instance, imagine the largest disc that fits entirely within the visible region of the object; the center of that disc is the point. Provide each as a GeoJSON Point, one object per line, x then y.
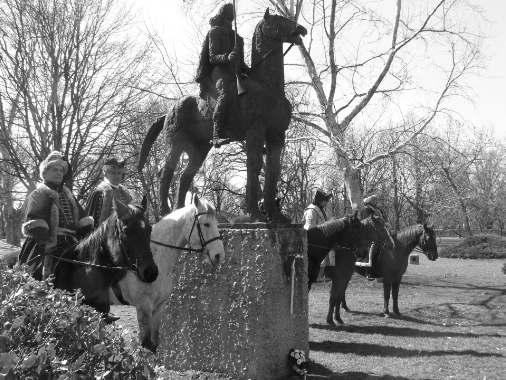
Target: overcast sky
{"type": "Point", "coordinates": [175, 25]}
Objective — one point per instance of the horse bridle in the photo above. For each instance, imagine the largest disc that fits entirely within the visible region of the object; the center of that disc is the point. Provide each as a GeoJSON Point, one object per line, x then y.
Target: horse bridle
{"type": "Point", "coordinates": [203, 241]}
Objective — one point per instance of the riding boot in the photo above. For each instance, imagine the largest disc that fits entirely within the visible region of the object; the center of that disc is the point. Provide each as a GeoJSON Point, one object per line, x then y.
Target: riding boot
{"type": "Point", "coordinates": [47, 267]}
{"type": "Point", "coordinates": [216, 135]}
{"type": "Point", "coordinates": [109, 318]}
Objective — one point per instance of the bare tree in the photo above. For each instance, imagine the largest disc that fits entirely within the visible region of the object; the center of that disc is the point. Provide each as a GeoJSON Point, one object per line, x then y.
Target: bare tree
{"type": "Point", "coordinates": [68, 74]}
{"type": "Point", "coordinates": [342, 84]}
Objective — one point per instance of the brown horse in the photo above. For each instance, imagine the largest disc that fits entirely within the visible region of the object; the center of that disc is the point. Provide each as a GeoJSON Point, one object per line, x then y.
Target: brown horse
{"type": "Point", "coordinates": [392, 264]}
{"type": "Point", "coordinates": [343, 236]}
{"type": "Point", "coordinates": [259, 117]}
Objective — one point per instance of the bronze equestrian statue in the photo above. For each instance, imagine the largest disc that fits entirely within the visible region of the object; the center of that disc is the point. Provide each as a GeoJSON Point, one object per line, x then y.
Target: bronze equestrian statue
{"type": "Point", "coordinates": [260, 116]}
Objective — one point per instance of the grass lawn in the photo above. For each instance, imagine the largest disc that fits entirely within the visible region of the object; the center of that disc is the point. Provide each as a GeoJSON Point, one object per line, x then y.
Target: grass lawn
{"type": "Point", "coordinates": [453, 326]}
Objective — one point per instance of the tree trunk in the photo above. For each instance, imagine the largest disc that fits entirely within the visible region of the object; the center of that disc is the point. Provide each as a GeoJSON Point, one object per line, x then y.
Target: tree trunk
{"type": "Point", "coordinates": [353, 187]}
{"type": "Point", "coordinates": [397, 210]}
{"type": "Point", "coordinates": [462, 202]}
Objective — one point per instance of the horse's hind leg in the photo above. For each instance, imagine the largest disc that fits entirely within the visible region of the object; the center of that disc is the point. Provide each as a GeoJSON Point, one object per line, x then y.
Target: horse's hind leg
{"type": "Point", "coordinates": [332, 305]}
{"type": "Point", "coordinates": [344, 305]}
{"type": "Point", "coordinates": [173, 153]}
{"type": "Point", "coordinates": [395, 297]}
{"type": "Point", "coordinates": [387, 287]}
{"type": "Point", "coordinates": [197, 153]}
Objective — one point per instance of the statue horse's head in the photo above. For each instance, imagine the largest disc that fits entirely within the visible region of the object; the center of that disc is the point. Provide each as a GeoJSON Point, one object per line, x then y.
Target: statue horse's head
{"type": "Point", "coordinates": [282, 29]}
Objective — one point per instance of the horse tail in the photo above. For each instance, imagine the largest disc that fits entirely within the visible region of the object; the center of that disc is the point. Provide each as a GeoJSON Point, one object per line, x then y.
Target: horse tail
{"type": "Point", "coordinates": [150, 138]}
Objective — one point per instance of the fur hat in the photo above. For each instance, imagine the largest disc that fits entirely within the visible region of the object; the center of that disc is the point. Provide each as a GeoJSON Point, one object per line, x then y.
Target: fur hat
{"type": "Point", "coordinates": [113, 162]}
{"type": "Point", "coordinates": [321, 196]}
{"type": "Point", "coordinates": [53, 158]}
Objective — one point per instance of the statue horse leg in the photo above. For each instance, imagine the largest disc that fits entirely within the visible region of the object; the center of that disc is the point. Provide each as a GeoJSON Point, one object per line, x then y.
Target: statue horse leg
{"type": "Point", "coordinates": [254, 147]}
{"type": "Point", "coordinates": [272, 174]}
{"type": "Point", "coordinates": [197, 153]}
{"type": "Point", "coordinates": [171, 159]}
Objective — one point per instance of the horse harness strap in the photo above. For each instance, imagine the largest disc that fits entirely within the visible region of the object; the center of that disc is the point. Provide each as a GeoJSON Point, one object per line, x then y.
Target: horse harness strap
{"type": "Point", "coordinates": [203, 242]}
{"type": "Point", "coordinates": [88, 264]}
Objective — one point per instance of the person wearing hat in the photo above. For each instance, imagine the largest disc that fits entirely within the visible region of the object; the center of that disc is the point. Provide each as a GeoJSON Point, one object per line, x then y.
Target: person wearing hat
{"type": "Point", "coordinates": [315, 214]}
{"type": "Point", "coordinates": [54, 220]}
{"type": "Point", "coordinates": [99, 204]}
{"type": "Point", "coordinates": [371, 209]}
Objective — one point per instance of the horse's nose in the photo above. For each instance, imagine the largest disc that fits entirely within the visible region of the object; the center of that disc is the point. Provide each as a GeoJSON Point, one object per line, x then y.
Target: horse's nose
{"type": "Point", "coordinates": [150, 273]}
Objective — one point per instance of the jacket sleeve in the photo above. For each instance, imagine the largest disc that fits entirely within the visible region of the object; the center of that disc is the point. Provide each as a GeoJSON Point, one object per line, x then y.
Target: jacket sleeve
{"type": "Point", "coordinates": [217, 53]}
{"type": "Point", "coordinates": [94, 206]}
{"type": "Point", "coordinates": [37, 215]}
{"type": "Point", "coordinates": [310, 218]}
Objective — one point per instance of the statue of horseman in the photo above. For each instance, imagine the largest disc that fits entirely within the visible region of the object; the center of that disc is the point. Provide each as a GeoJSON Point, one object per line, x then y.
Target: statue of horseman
{"type": "Point", "coordinates": [221, 62]}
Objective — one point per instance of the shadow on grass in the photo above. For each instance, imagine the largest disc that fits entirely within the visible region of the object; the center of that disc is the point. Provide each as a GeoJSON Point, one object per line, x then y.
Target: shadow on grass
{"type": "Point", "coordinates": [317, 371]}
{"type": "Point", "coordinates": [400, 331]}
{"type": "Point", "coordinates": [367, 349]}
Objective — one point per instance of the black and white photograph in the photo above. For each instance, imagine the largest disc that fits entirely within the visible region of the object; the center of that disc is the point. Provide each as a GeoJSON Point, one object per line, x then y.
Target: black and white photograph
{"type": "Point", "coordinates": [252, 189]}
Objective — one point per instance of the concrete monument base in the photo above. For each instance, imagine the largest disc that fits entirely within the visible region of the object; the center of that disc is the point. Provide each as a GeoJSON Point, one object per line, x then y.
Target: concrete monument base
{"type": "Point", "coordinates": [236, 319]}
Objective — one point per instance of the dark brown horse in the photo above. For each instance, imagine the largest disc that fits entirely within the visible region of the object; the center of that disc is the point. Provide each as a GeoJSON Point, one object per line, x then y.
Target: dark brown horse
{"type": "Point", "coordinates": [259, 117]}
{"type": "Point", "coordinates": [392, 264]}
{"type": "Point", "coordinates": [343, 236]}
{"type": "Point", "coordinates": [118, 245]}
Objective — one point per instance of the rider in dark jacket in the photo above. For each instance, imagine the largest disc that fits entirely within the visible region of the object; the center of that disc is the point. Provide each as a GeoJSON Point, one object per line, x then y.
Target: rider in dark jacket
{"type": "Point", "coordinates": [221, 58]}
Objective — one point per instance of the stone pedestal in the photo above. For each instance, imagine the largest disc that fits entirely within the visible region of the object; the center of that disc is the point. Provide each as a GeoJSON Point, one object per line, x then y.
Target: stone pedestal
{"type": "Point", "coordinates": [235, 319]}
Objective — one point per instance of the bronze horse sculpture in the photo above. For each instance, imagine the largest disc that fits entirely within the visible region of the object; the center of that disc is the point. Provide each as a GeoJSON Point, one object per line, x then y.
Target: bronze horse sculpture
{"type": "Point", "coordinates": [260, 117]}
{"type": "Point", "coordinates": [344, 236]}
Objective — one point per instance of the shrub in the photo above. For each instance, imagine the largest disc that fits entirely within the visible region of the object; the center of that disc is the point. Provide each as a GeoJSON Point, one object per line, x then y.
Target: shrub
{"type": "Point", "coordinates": [49, 333]}
{"type": "Point", "coordinates": [480, 246]}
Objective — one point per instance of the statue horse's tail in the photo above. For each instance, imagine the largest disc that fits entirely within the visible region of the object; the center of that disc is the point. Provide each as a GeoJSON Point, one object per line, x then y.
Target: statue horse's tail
{"type": "Point", "coordinates": [150, 138]}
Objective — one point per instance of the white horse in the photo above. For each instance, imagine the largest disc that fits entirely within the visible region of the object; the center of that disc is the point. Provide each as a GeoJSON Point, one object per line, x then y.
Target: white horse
{"type": "Point", "coordinates": [192, 229]}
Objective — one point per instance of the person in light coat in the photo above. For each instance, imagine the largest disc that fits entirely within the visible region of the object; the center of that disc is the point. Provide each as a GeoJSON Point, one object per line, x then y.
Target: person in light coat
{"type": "Point", "coordinates": [315, 214]}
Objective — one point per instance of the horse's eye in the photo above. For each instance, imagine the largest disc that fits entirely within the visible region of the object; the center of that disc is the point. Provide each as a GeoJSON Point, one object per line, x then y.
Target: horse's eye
{"type": "Point", "coordinates": [207, 225]}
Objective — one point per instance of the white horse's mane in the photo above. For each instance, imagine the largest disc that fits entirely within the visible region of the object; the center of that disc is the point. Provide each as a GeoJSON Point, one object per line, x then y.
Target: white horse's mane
{"type": "Point", "coordinates": [204, 206]}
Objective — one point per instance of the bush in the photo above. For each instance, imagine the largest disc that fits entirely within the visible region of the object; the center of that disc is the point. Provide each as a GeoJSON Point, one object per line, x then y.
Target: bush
{"type": "Point", "coordinates": [480, 246]}
{"type": "Point", "coordinates": [48, 333]}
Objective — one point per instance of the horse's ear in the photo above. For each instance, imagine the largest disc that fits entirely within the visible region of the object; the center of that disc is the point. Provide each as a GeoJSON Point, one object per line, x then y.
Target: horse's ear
{"type": "Point", "coordinates": [195, 200]}
{"type": "Point", "coordinates": [121, 209]}
{"type": "Point", "coordinates": [144, 202]}
{"type": "Point", "coordinates": [266, 14]}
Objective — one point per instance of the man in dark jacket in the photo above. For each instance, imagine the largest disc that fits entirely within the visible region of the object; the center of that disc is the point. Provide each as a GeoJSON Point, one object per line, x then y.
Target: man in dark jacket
{"type": "Point", "coordinates": [99, 204]}
{"type": "Point", "coordinates": [221, 58]}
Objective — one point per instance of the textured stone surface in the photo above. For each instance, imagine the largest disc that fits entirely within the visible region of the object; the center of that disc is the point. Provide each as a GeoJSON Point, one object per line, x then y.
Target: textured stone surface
{"type": "Point", "coordinates": [235, 319]}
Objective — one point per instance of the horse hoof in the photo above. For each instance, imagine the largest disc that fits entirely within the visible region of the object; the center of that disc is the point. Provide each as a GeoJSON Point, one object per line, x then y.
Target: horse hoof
{"type": "Point", "coordinates": [340, 321]}
{"type": "Point", "coordinates": [397, 313]}
{"type": "Point", "coordinates": [386, 315]}
{"type": "Point", "coordinates": [347, 309]}
{"type": "Point", "coordinates": [331, 322]}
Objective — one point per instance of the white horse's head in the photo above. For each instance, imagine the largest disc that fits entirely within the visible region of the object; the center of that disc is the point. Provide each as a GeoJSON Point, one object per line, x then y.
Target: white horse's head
{"type": "Point", "coordinates": [204, 233]}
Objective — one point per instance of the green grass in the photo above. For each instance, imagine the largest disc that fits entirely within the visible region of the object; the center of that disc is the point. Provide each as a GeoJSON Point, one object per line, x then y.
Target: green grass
{"type": "Point", "coordinates": [453, 326]}
{"type": "Point", "coordinates": [481, 246]}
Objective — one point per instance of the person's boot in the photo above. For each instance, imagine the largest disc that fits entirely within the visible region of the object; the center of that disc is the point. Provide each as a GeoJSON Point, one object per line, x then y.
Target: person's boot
{"type": "Point", "coordinates": [216, 135]}
{"type": "Point", "coordinates": [109, 318]}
